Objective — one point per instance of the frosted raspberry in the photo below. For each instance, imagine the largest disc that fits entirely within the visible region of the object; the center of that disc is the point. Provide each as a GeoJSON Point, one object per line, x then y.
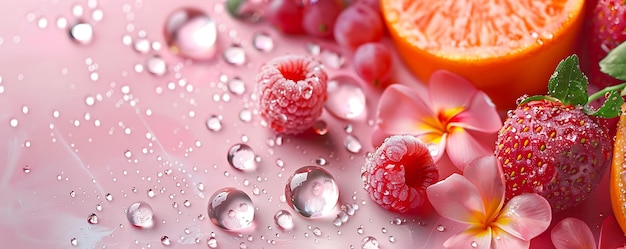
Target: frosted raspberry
{"type": "Point", "coordinates": [397, 174]}
{"type": "Point", "coordinates": [292, 93]}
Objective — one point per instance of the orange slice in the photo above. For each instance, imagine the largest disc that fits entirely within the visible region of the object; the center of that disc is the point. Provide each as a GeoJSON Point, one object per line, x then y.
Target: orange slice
{"type": "Point", "coordinates": [505, 47]}
{"type": "Point", "coordinates": [617, 179]}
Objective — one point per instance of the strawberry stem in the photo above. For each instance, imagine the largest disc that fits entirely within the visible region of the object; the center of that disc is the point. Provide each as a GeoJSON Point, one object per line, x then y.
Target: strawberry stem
{"type": "Point", "coordinates": [603, 92]}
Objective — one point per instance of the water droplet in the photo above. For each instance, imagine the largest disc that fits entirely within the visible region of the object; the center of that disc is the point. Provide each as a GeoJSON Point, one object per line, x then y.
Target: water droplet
{"type": "Point", "coordinates": [81, 33]}
{"type": "Point", "coordinates": [74, 242]}
{"type": "Point", "coordinates": [13, 122]}
{"type": "Point", "coordinates": [352, 144]}
{"type": "Point", "coordinates": [236, 86]}
{"type": "Point", "coordinates": [92, 219]}
{"type": "Point", "coordinates": [369, 242]}
{"type": "Point", "coordinates": [320, 127]}
{"type": "Point", "coordinates": [284, 220]}
{"type": "Point", "coordinates": [211, 242]}
{"type": "Point", "coordinates": [156, 65]}
{"type": "Point", "coordinates": [317, 231]}
{"type": "Point", "coordinates": [313, 48]}
{"type": "Point", "coordinates": [263, 42]}
{"type": "Point", "coordinates": [332, 58]}
{"type": "Point", "coordinates": [246, 10]}
{"type": "Point", "coordinates": [214, 123]}
{"type": "Point", "coordinates": [345, 98]}
{"type": "Point", "coordinates": [166, 241]}
{"type": "Point", "coordinates": [312, 191]}
{"type": "Point", "coordinates": [192, 34]}
{"type": "Point", "coordinates": [474, 244]}
{"type": "Point", "coordinates": [26, 169]}
{"type": "Point", "coordinates": [242, 157]}
{"type": "Point", "coordinates": [231, 209]}
{"type": "Point", "coordinates": [108, 197]}
{"type": "Point", "coordinates": [140, 215]}
{"type": "Point", "coordinates": [142, 45]}
{"type": "Point", "coordinates": [441, 228]}
{"type": "Point", "coordinates": [235, 55]}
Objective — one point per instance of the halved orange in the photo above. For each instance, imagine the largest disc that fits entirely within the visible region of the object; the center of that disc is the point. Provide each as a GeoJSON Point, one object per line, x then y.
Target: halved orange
{"type": "Point", "coordinates": [505, 47]}
{"type": "Point", "coordinates": [617, 178]}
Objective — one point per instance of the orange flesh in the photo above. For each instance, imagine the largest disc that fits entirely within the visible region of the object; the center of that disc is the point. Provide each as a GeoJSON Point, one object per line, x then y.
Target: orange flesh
{"type": "Point", "coordinates": [618, 173]}
{"type": "Point", "coordinates": [506, 48]}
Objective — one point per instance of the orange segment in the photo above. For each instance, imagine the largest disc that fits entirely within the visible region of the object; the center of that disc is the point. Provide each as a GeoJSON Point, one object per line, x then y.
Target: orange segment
{"type": "Point", "coordinates": [617, 179]}
{"type": "Point", "coordinates": [505, 47]}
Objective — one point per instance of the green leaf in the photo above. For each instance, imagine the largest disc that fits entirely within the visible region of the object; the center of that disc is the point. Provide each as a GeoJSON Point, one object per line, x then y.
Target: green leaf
{"type": "Point", "coordinates": [568, 83]}
{"type": "Point", "coordinates": [611, 107]}
{"type": "Point", "coordinates": [535, 97]}
{"type": "Point", "coordinates": [614, 64]}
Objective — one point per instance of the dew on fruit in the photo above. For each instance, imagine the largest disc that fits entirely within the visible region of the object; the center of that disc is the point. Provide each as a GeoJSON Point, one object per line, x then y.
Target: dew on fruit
{"type": "Point", "coordinates": [231, 209]}
{"type": "Point", "coordinates": [140, 214]}
{"type": "Point", "coordinates": [81, 33]}
{"type": "Point", "coordinates": [92, 219]}
{"type": "Point", "coordinates": [156, 65]}
{"type": "Point", "coordinates": [242, 157]}
{"type": "Point", "coordinates": [352, 144]}
{"type": "Point", "coordinates": [263, 42]}
{"type": "Point", "coordinates": [345, 98]}
{"type": "Point", "coordinates": [369, 242]}
{"type": "Point", "coordinates": [214, 123]}
{"type": "Point", "coordinates": [246, 10]}
{"type": "Point", "coordinates": [236, 86]}
{"type": "Point", "coordinates": [234, 55]}
{"type": "Point", "coordinates": [284, 220]}
{"type": "Point", "coordinates": [191, 33]}
{"type": "Point", "coordinates": [312, 192]}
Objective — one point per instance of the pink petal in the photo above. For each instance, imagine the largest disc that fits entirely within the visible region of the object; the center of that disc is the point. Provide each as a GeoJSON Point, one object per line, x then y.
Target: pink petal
{"type": "Point", "coordinates": [449, 91]}
{"type": "Point", "coordinates": [471, 238]}
{"type": "Point", "coordinates": [486, 174]}
{"type": "Point", "coordinates": [611, 235]}
{"type": "Point", "coordinates": [481, 115]}
{"type": "Point", "coordinates": [525, 216]}
{"type": "Point", "coordinates": [572, 233]}
{"type": "Point", "coordinates": [401, 111]}
{"type": "Point", "coordinates": [504, 240]}
{"type": "Point", "coordinates": [463, 148]}
{"type": "Point", "coordinates": [457, 199]}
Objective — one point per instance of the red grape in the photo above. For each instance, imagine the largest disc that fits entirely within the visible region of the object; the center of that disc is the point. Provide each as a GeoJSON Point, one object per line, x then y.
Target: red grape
{"type": "Point", "coordinates": [286, 15]}
{"type": "Point", "coordinates": [358, 24]}
{"type": "Point", "coordinates": [373, 62]}
{"type": "Point", "coordinates": [320, 16]}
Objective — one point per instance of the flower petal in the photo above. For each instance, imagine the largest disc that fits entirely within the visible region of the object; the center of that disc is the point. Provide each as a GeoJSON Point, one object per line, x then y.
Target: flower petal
{"type": "Point", "coordinates": [572, 233]}
{"type": "Point", "coordinates": [449, 91]}
{"type": "Point", "coordinates": [481, 115]}
{"type": "Point", "coordinates": [457, 199]}
{"type": "Point", "coordinates": [463, 148]}
{"type": "Point", "coordinates": [504, 240]}
{"type": "Point", "coordinates": [611, 235]}
{"type": "Point", "coordinates": [525, 216]}
{"type": "Point", "coordinates": [485, 173]}
{"type": "Point", "coordinates": [472, 238]}
{"type": "Point", "coordinates": [436, 144]}
{"type": "Point", "coordinates": [401, 111]}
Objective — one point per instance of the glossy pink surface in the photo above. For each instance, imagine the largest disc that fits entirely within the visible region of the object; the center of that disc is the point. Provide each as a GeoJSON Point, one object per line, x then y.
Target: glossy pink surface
{"type": "Point", "coordinates": [87, 129]}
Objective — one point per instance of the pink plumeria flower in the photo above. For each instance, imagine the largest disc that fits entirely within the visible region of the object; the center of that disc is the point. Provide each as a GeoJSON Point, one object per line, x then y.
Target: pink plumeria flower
{"type": "Point", "coordinates": [444, 118]}
{"type": "Point", "coordinates": [573, 233]}
{"type": "Point", "coordinates": [476, 199]}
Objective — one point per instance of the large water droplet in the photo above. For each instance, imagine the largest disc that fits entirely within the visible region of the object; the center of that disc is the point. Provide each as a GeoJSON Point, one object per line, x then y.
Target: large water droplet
{"type": "Point", "coordinates": [231, 209]}
{"type": "Point", "coordinates": [140, 215]}
{"type": "Point", "coordinates": [352, 144]}
{"type": "Point", "coordinates": [242, 157]}
{"type": "Point", "coordinates": [235, 55]}
{"type": "Point", "coordinates": [263, 42]}
{"type": "Point", "coordinates": [345, 98]}
{"type": "Point", "coordinates": [246, 10]}
{"type": "Point", "coordinates": [312, 191]}
{"type": "Point", "coordinates": [214, 123]}
{"type": "Point", "coordinates": [191, 33]}
{"type": "Point", "coordinates": [81, 32]}
{"type": "Point", "coordinates": [284, 220]}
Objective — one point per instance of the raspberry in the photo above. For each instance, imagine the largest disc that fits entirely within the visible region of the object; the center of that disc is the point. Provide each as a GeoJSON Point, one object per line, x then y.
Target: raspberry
{"type": "Point", "coordinates": [397, 174]}
{"type": "Point", "coordinates": [292, 93]}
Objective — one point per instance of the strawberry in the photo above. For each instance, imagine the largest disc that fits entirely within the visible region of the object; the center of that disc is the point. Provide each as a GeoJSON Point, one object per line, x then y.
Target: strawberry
{"type": "Point", "coordinates": [608, 29]}
{"type": "Point", "coordinates": [397, 174]}
{"type": "Point", "coordinates": [550, 145]}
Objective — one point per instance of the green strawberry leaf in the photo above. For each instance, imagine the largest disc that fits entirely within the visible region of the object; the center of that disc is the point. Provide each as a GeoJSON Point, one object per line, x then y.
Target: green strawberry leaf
{"type": "Point", "coordinates": [568, 83]}
{"type": "Point", "coordinates": [536, 97]}
{"type": "Point", "coordinates": [611, 107]}
{"type": "Point", "coordinates": [614, 64]}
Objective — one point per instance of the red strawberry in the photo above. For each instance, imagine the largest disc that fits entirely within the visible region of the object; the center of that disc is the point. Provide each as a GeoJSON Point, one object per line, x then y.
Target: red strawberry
{"type": "Point", "coordinates": [608, 29]}
{"type": "Point", "coordinates": [292, 93]}
{"type": "Point", "coordinates": [397, 174]}
{"type": "Point", "coordinates": [549, 145]}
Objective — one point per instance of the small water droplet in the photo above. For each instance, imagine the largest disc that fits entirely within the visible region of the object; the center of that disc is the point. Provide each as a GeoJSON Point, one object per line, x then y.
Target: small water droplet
{"type": "Point", "coordinates": [81, 33]}
{"type": "Point", "coordinates": [156, 65]}
{"type": "Point", "coordinates": [332, 58]}
{"type": "Point", "coordinates": [345, 98]}
{"type": "Point", "coordinates": [165, 241]}
{"type": "Point", "coordinates": [236, 86]}
{"type": "Point", "coordinates": [92, 219]}
{"type": "Point", "coordinates": [317, 231]}
{"type": "Point", "coordinates": [312, 191]}
{"type": "Point", "coordinates": [352, 144]}
{"type": "Point", "coordinates": [441, 228]}
{"type": "Point", "coordinates": [246, 10]}
{"type": "Point", "coordinates": [320, 127]}
{"type": "Point", "coordinates": [474, 244]}
{"type": "Point", "coordinates": [235, 55]}
{"type": "Point", "coordinates": [242, 157]}
{"type": "Point", "coordinates": [191, 33]}
{"type": "Point", "coordinates": [214, 123]}
{"type": "Point", "coordinates": [150, 193]}
{"type": "Point", "coordinates": [74, 242]}
{"type": "Point", "coordinates": [108, 197]}
{"type": "Point", "coordinates": [231, 209]}
{"type": "Point", "coordinates": [263, 42]}
{"type": "Point", "coordinates": [313, 48]}
{"type": "Point", "coordinates": [245, 115]}
{"type": "Point", "coordinates": [284, 220]}
{"type": "Point", "coordinates": [369, 242]}
{"type": "Point", "coordinates": [211, 242]}
{"type": "Point", "coordinates": [140, 215]}
{"type": "Point", "coordinates": [26, 169]}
